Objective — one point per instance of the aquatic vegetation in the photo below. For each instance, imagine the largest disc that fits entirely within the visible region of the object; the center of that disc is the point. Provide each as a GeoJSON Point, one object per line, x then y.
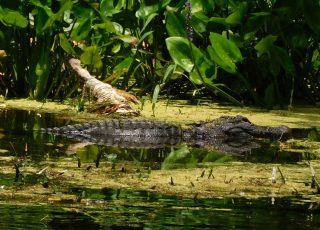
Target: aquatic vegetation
{"type": "Point", "coordinates": [262, 52]}
{"type": "Point", "coordinates": [53, 177]}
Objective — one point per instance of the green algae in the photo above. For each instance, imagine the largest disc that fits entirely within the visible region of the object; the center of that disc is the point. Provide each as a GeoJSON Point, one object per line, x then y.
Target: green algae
{"type": "Point", "coordinates": [183, 113]}
{"type": "Point", "coordinates": [229, 178]}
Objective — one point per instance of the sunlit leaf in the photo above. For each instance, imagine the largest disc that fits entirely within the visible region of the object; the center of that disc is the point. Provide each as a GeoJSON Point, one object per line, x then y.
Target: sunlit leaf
{"type": "Point", "coordinates": [13, 18]}
{"type": "Point", "coordinates": [222, 60]}
{"type": "Point", "coordinates": [227, 47]}
{"type": "Point", "coordinates": [169, 71]}
{"type": "Point", "coordinates": [42, 71]}
{"type": "Point", "coordinates": [179, 49]}
{"type": "Point", "coordinates": [155, 94]}
{"type": "Point", "coordinates": [124, 65]}
{"type": "Point", "coordinates": [224, 52]}
{"type": "Point", "coordinates": [116, 48]}
{"type": "Point", "coordinates": [195, 77]}
{"type": "Point", "coordinates": [107, 8]}
{"type": "Point", "coordinates": [191, 59]}
{"type": "Point", "coordinates": [203, 6]}
{"type": "Point", "coordinates": [127, 39]}
{"type": "Point", "coordinates": [144, 11]}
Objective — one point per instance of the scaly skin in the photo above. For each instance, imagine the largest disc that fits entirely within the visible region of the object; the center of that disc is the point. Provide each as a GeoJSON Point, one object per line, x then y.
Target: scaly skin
{"type": "Point", "coordinates": [226, 134]}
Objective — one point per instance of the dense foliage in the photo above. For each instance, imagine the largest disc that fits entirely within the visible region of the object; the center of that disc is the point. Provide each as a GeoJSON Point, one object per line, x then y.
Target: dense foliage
{"type": "Point", "coordinates": [264, 52]}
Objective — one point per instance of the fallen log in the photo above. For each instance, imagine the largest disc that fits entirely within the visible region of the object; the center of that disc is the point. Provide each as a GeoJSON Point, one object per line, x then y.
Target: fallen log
{"type": "Point", "coordinates": [112, 99]}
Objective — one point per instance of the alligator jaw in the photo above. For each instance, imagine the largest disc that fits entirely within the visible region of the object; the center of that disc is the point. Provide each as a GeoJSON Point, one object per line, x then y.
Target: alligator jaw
{"type": "Point", "coordinates": [280, 132]}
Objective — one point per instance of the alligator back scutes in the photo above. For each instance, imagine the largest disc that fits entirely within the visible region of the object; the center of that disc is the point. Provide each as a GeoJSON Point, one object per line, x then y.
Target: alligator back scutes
{"type": "Point", "coordinates": [119, 127]}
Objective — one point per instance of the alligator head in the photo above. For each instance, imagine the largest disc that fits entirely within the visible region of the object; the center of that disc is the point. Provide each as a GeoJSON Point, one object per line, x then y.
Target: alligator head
{"type": "Point", "coordinates": [237, 127]}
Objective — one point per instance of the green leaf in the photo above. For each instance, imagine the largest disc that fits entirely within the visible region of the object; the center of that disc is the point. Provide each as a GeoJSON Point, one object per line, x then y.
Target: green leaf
{"type": "Point", "coordinates": [199, 22]}
{"type": "Point", "coordinates": [65, 5]}
{"type": "Point", "coordinates": [127, 39]}
{"type": "Point", "coordinates": [149, 19]}
{"type": "Point", "coordinates": [155, 94]}
{"type": "Point", "coordinates": [216, 88]}
{"type": "Point", "coordinates": [155, 97]}
{"type": "Point", "coordinates": [42, 71]}
{"type": "Point", "coordinates": [121, 69]}
{"type": "Point", "coordinates": [229, 48]}
{"type": "Point", "coordinates": [224, 52]}
{"type": "Point", "coordinates": [239, 11]}
{"type": "Point", "coordinates": [146, 34]}
{"type": "Point", "coordinates": [265, 44]}
{"type": "Point", "coordinates": [175, 25]}
{"type": "Point", "coordinates": [13, 18]}
{"type": "Point", "coordinates": [45, 7]}
{"type": "Point", "coordinates": [116, 48]}
{"type": "Point", "coordinates": [185, 54]}
{"type": "Point", "coordinates": [81, 31]}
{"type": "Point", "coordinates": [196, 78]}
{"type": "Point", "coordinates": [91, 56]}
{"type": "Point", "coordinates": [144, 11]}
{"type": "Point", "coordinates": [201, 6]}
{"type": "Point", "coordinates": [204, 70]}
{"type": "Point", "coordinates": [123, 66]}
{"type": "Point", "coordinates": [170, 69]}
{"type": "Point", "coordinates": [179, 49]}
{"type": "Point", "coordinates": [107, 8]}
{"type": "Point", "coordinates": [222, 60]}
{"type": "Point", "coordinates": [65, 45]}
{"type": "Point", "coordinates": [107, 25]}
{"type": "Point", "coordinates": [263, 14]}
{"type": "Point", "coordinates": [218, 20]}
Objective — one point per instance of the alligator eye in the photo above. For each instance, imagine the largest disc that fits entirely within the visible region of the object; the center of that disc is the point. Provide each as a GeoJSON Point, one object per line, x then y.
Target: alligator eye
{"type": "Point", "coordinates": [246, 120]}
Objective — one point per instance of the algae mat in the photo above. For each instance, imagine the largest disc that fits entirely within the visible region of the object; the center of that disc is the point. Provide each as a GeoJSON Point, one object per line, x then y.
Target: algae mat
{"type": "Point", "coordinates": [231, 179]}
{"type": "Point", "coordinates": [219, 180]}
{"type": "Point", "coordinates": [183, 113]}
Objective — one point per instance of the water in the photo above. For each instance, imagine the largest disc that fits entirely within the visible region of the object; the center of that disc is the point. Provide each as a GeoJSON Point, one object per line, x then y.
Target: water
{"type": "Point", "coordinates": [140, 210]}
{"type": "Point", "coordinates": [26, 202]}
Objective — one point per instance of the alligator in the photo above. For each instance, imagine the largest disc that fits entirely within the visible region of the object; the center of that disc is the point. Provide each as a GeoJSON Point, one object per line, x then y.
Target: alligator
{"type": "Point", "coordinates": [226, 134]}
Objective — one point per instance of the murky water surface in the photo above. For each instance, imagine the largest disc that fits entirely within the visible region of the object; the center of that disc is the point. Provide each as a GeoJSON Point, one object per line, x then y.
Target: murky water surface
{"type": "Point", "coordinates": [113, 208]}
